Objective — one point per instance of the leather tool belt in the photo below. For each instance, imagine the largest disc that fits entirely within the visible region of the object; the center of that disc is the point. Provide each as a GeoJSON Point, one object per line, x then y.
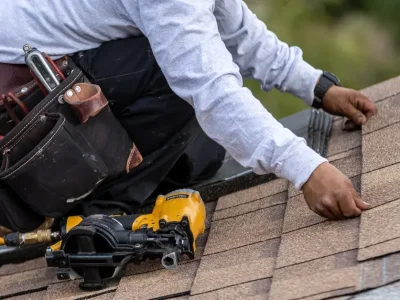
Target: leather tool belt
{"type": "Point", "coordinates": [55, 149]}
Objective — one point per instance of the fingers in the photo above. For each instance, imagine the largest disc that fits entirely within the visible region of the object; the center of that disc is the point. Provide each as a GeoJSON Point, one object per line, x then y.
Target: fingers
{"type": "Point", "coordinates": [362, 109]}
{"type": "Point", "coordinates": [324, 212]}
{"type": "Point", "coordinates": [331, 204]}
{"type": "Point", "coordinates": [366, 106]}
{"type": "Point", "coordinates": [355, 115]}
{"type": "Point", "coordinates": [359, 203]}
{"type": "Point", "coordinates": [348, 206]}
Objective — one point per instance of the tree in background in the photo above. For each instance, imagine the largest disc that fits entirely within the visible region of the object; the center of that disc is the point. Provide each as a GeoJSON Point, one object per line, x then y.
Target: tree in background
{"type": "Point", "coordinates": [357, 40]}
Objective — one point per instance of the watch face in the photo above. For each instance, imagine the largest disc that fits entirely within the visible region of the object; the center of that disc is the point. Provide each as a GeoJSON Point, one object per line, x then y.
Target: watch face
{"type": "Point", "coordinates": [332, 78]}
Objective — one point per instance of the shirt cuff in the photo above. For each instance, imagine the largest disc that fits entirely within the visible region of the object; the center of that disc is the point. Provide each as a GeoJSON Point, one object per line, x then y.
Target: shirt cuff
{"type": "Point", "coordinates": [302, 81]}
{"type": "Point", "coordinates": [300, 163]}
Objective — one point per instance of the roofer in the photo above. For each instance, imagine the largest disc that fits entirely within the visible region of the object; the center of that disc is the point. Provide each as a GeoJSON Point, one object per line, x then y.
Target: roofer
{"type": "Point", "coordinates": [172, 70]}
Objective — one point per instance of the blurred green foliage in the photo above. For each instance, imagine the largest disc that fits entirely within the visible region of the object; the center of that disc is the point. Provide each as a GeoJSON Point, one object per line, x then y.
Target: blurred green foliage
{"type": "Point", "coordinates": [358, 40]}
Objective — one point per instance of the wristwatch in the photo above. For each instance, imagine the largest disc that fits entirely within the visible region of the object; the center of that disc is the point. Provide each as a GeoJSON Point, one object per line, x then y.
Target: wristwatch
{"type": "Point", "coordinates": [326, 81]}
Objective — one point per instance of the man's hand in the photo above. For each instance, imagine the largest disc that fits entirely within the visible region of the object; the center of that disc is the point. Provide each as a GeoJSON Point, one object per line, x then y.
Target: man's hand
{"type": "Point", "coordinates": [349, 103]}
{"type": "Point", "coordinates": [330, 194]}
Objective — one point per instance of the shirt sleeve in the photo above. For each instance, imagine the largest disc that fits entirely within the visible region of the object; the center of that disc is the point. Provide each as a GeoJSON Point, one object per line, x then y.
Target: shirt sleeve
{"type": "Point", "coordinates": [261, 55]}
{"type": "Point", "coordinates": [186, 42]}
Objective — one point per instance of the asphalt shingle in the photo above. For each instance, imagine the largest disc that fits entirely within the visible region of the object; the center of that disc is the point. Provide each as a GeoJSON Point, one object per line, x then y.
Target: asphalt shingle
{"type": "Point", "coordinates": [236, 266]}
{"type": "Point", "coordinates": [345, 154]}
{"type": "Point", "coordinates": [255, 193]}
{"type": "Point", "coordinates": [387, 292]}
{"type": "Point", "coordinates": [318, 241]}
{"type": "Point", "coordinates": [245, 229]}
{"type": "Point", "coordinates": [350, 165]}
{"type": "Point", "coordinates": [27, 281]}
{"type": "Point", "coordinates": [381, 186]}
{"type": "Point", "coordinates": [30, 296]}
{"type": "Point", "coordinates": [378, 148]}
{"type": "Point", "coordinates": [157, 284]}
{"type": "Point", "coordinates": [69, 290]}
{"type": "Point", "coordinates": [380, 231]}
{"type": "Point", "coordinates": [331, 275]}
{"type": "Point", "coordinates": [106, 296]}
{"type": "Point", "coordinates": [254, 290]}
{"type": "Point", "coordinates": [383, 89]}
{"type": "Point", "coordinates": [250, 207]}
{"type": "Point", "coordinates": [26, 266]}
{"type": "Point", "coordinates": [342, 141]}
{"type": "Point", "coordinates": [380, 271]}
{"type": "Point", "coordinates": [388, 114]}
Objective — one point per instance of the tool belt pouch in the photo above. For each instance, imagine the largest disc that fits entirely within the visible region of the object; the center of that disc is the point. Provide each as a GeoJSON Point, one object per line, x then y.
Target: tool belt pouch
{"type": "Point", "coordinates": [15, 214]}
{"type": "Point", "coordinates": [68, 144]}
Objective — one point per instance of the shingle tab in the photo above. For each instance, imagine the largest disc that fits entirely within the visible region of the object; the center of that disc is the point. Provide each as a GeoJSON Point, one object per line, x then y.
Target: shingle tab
{"type": "Point", "coordinates": [30, 296]}
{"type": "Point", "coordinates": [379, 249]}
{"type": "Point", "coordinates": [388, 114]}
{"type": "Point", "coordinates": [258, 192]}
{"type": "Point", "coordinates": [380, 271]}
{"type": "Point", "coordinates": [341, 141]}
{"type": "Point", "coordinates": [69, 290]}
{"type": "Point", "coordinates": [26, 281]}
{"type": "Point", "coordinates": [380, 231]}
{"type": "Point", "coordinates": [254, 290]}
{"type": "Point", "coordinates": [22, 267]}
{"type": "Point", "coordinates": [157, 284]}
{"type": "Point", "coordinates": [317, 241]}
{"type": "Point", "coordinates": [298, 215]}
{"type": "Point", "coordinates": [331, 275]}
{"type": "Point", "coordinates": [106, 296]}
{"type": "Point", "coordinates": [379, 148]}
{"type": "Point", "coordinates": [381, 186]}
{"type": "Point", "coordinates": [250, 207]}
{"type": "Point", "coordinates": [383, 90]}
{"type": "Point", "coordinates": [245, 229]}
{"type": "Point", "coordinates": [236, 266]}
{"type": "Point", "coordinates": [331, 294]}
{"type": "Point", "coordinates": [341, 155]}
{"type": "Point", "coordinates": [350, 165]}
{"type": "Point", "coordinates": [387, 292]}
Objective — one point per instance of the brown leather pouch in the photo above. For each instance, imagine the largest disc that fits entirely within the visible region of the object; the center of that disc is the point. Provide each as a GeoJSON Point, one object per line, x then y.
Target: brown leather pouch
{"type": "Point", "coordinates": [87, 100]}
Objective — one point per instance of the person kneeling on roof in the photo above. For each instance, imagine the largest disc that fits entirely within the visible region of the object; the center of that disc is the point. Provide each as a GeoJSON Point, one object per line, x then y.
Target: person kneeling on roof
{"type": "Point", "coordinates": [169, 63]}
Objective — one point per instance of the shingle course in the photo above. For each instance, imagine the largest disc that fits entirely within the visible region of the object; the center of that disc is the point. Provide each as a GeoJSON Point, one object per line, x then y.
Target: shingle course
{"type": "Point", "coordinates": [245, 229]}
{"type": "Point", "coordinates": [236, 266]}
{"type": "Point", "coordinates": [318, 241]}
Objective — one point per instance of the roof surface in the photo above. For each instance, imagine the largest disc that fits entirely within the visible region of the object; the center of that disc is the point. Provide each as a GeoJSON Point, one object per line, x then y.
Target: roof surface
{"type": "Point", "coordinates": [264, 243]}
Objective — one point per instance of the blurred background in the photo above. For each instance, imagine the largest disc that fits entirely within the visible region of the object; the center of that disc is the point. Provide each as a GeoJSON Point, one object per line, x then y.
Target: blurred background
{"type": "Point", "coordinates": [358, 40]}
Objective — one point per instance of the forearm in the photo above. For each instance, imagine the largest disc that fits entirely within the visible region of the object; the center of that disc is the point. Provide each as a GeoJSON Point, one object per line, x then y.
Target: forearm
{"type": "Point", "coordinates": [261, 55]}
{"type": "Point", "coordinates": [185, 40]}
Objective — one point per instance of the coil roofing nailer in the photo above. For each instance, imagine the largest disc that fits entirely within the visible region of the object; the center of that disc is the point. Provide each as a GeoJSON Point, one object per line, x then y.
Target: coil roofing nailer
{"type": "Point", "coordinates": [97, 247]}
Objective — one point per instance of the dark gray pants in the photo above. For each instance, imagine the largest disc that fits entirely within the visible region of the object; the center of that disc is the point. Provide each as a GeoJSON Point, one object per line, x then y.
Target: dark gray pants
{"type": "Point", "coordinates": [176, 151]}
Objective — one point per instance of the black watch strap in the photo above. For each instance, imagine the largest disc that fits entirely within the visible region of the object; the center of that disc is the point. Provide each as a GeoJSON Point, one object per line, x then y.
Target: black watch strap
{"type": "Point", "coordinates": [326, 81]}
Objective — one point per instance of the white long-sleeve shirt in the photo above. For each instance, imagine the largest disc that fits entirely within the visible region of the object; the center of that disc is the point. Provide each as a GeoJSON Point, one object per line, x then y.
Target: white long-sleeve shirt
{"type": "Point", "coordinates": [203, 47]}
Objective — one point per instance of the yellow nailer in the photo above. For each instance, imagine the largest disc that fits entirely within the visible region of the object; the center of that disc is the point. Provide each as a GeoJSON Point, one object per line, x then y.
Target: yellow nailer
{"type": "Point", "coordinates": [99, 246]}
